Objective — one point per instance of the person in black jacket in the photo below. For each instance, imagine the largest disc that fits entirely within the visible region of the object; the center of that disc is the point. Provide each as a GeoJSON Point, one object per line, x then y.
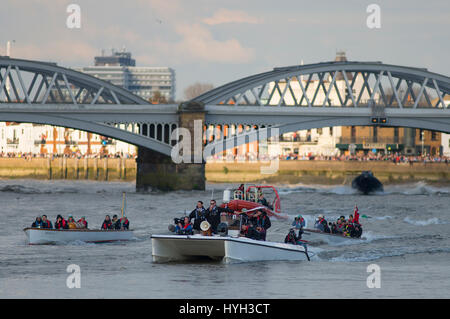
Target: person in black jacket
{"type": "Point", "coordinates": [213, 214]}
{"type": "Point", "coordinates": [261, 222]}
{"type": "Point", "coordinates": [115, 223]}
{"type": "Point", "coordinates": [198, 214]}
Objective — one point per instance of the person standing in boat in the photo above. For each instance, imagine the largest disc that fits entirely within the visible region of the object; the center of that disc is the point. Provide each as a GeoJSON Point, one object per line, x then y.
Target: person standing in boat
{"type": "Point", "coordinates": [213, 214]}
{"type": "Point", "coordinates": [37, 223]}
{"type": "Point", "coordinates": [198, 214]}
{"type": "Point", "coordinates": [261, 223]}
{"type": "Point", "coordinates": [107, 224]}
{"type": "Point", "coordinates": [46, 223]}
{"type": "Point", "coordinates": [61, 223]}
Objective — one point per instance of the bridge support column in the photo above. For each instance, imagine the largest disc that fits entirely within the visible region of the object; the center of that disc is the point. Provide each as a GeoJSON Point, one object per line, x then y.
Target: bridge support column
{"type": "Point", "coordinates": [159, 171]}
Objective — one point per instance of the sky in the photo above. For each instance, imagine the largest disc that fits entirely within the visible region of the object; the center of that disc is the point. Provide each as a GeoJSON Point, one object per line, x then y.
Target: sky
{"type": "Point", "coordinates": [220, 41]}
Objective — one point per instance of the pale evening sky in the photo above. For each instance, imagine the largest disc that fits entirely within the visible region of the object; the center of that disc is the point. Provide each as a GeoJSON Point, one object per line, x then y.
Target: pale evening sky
{"type": "Point", "coordinates": [221, 41]}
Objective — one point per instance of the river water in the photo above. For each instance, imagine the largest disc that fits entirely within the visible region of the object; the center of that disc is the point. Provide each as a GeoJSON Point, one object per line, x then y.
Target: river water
{"type": "Point", "coordinates": [407, 232]}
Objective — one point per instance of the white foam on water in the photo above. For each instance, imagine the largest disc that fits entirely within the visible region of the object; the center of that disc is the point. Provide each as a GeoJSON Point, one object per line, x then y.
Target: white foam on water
{"type": "Point", "coordinates": [430, 221]}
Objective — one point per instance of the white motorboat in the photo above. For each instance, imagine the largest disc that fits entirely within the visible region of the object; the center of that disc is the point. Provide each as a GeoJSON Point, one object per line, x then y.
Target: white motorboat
{"type": "Point", "coordinates": [167, 248]}
{"type": "Point", "coordinates": [317, 236]}
{"type": "Point", "coordinates": [40, 236]}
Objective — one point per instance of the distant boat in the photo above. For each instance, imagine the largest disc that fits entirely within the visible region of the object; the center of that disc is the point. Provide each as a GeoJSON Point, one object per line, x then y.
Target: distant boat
{"type": "Point", "coordinates": [367, 183]}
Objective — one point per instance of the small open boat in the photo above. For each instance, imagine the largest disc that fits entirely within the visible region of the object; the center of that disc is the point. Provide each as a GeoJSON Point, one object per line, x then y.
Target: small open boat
{"type": "Point", "coordinates": [42, 236]}
{"type": "Point", "coordinates": [166, 248]}
{"type": "Point", "coordinates": [317, 236]}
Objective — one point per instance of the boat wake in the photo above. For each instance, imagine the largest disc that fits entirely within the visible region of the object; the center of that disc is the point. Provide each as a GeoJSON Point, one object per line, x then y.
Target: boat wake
{"type": "Point", "coordinates": [419, 188]}
{"type": "Point", "coordinates": [430, 221]}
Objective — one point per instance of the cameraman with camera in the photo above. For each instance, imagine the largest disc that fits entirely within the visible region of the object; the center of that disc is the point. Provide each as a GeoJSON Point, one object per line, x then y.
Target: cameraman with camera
{"type": "Point", "coordinates": [183, 226]}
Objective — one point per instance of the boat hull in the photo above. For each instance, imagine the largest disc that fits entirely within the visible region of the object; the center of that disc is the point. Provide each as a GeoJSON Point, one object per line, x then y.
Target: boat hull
{"type": "Point", "coordinates": [42, 236]}
{"type": "Point", "coordinates": [166, 248]}
{"type": "Point", "coordinates": [316, 236]}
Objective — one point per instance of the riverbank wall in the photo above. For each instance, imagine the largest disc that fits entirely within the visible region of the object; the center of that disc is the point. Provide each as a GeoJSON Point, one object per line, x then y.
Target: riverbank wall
{"type": "Point", "coordinates": [327, 172]}
{"type": "Point", "coordinates": [104, 169]}
{"type": "Point", "coordinates": [288, 172]}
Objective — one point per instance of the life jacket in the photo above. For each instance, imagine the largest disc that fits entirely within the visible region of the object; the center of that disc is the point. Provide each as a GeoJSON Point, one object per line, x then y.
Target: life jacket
{"type": "Point", "coordinates": [46, 224]}
{"type": "Point", "coordinates": [61, 225]}
{"type": "Point", "coordinates": [107, 225]}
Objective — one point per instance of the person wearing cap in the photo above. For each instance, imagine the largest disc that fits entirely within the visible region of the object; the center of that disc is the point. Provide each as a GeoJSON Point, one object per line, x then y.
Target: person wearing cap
{"type": "Point", "coordinates": [124, 223]}
{"type": "Point", "coordinates": [71, 222]}
{"type": "Point", "coordinates": [321, 224]}
{"type": "Point", "coordinates": [83, 222]}
{"type": "Point", "coordinates": [299, 222]}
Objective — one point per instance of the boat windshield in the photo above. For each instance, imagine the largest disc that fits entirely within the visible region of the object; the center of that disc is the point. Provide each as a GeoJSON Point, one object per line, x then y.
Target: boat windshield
{"type": "Point", "coordinates": [253, 193]}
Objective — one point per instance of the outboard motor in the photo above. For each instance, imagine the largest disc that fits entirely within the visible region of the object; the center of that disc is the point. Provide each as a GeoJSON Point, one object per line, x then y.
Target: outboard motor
{"type": "Point", "coordinates": [222, 229]}
{"type": "Point", "coordinates": [226, 196]}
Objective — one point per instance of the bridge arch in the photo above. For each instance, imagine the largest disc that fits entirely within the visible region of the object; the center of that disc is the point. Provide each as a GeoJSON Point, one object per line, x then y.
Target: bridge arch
{"type": "Point", "coordinates": [34, 82]}
{"type": "Point", "coordinates": [335, 84]}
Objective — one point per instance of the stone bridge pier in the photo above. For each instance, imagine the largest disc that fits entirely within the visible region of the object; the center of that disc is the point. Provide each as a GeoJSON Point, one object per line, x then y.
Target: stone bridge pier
{"type": "Point", "coordinates": [159, 171]}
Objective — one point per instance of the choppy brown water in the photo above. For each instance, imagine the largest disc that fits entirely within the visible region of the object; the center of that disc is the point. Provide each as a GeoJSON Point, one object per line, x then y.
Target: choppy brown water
{"type": "Point", "coordinates": [407, 235]}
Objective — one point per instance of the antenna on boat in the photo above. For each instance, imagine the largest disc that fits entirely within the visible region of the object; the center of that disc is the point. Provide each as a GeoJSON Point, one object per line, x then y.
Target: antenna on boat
{"type": "Point", "coordinates": [123, 204]}
{"type": "Point", "coordinates": [212, 194]}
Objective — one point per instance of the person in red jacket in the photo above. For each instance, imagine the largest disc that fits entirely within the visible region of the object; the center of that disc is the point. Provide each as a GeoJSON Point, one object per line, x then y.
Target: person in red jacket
{"type": "Point", "coordinates": [107, 224]}
{"type": "Point", "coordinates": [354, 218]}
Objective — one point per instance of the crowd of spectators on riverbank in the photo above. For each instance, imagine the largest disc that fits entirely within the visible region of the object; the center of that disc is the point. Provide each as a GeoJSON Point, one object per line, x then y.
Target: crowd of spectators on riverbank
{"type": "Point", "coordinates": [395, 158]}
{"type": "Point", "coordinates": [78, 155]}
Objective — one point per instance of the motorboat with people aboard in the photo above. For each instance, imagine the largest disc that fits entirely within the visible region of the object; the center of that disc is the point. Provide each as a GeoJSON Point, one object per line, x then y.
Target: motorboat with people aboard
{"type": "Point", "coordinates": [367, 183]}
{"type": "Point", "coordinates": [252, 196]}
{"type": "Point", "coordinates": [42, 231]}
{"type": "Point", "coordinates": [238, 234]}
{"type": "Point", "coordinates": [341, 231]}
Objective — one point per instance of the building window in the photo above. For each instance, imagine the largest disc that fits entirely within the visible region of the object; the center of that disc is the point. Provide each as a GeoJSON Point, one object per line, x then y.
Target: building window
{"type": "Point", "coordinates": [433, 136]}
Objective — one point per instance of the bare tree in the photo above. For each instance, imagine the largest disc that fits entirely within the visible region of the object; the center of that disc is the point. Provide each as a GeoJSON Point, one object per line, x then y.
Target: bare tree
{"type": "Point", "coordinates": [197, 89]}
{"type": "Point", "coordinates": [158, 98]}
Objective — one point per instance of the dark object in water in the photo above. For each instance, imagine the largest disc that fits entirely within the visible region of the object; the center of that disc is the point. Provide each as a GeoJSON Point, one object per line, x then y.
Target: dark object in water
{"type": "Point", "coordinates": [367, 183]}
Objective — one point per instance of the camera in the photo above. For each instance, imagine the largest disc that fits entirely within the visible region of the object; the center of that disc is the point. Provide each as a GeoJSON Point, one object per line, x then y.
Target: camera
{"type": "Point", "coordinates": [178, 220]}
